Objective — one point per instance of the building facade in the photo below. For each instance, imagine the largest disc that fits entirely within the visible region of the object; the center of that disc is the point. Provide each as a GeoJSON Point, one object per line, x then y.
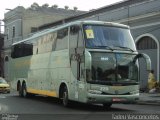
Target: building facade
{"type": "Point", "coordinates": [1, 55]}
{"type": "Point", "coordinates": [21, 23]}
{"type": "Point", "coordinates": [143, 17]}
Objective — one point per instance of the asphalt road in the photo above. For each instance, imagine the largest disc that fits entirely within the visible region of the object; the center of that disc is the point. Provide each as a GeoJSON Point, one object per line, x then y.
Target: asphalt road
{"type": "Point", "coordinates": [14, 107]}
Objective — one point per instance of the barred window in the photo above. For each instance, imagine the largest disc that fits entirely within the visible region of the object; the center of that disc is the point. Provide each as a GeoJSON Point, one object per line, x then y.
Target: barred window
{"type": "Point", "coordinates": [13, 30]}
{"type": "Point", "coordinates": [146, 43]}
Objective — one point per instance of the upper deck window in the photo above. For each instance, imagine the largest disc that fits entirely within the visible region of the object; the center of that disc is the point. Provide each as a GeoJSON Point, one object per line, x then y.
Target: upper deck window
{"type": "Point", "coordinates": [98, 36]}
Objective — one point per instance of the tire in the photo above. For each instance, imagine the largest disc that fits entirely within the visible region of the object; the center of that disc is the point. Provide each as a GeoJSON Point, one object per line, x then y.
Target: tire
{"type": "Point", "coordinates": [107, 105]}
{"type": "Point", "coordinates": [9, 92]}
{"type": "Point", "coordinates": [65, 99]}
{"type": "Point", "coordinates": [24, 90]}
{"type": "Point", "coordinates": [20, 90]}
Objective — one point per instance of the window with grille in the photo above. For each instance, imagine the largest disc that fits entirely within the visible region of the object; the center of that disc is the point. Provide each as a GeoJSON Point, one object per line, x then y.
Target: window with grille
{"type": "Point", "coordinates": [13, 30]}
{"type": "Point", "coordinates": [146, 43]}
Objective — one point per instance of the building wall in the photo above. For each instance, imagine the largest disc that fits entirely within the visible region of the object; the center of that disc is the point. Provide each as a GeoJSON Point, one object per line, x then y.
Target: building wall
{"type": "Point", "coordinates": [1, 55]}
{"type": "Point", "coordinates": [13, 18]}
{"type": "Point", "coordinates": [35, 19]}
{"type": "Point", "coordinates": [26, 19]}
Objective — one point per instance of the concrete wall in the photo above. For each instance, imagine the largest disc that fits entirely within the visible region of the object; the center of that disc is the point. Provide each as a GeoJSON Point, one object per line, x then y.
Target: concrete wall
{"type": "Point", "coordinates": [1, 55]}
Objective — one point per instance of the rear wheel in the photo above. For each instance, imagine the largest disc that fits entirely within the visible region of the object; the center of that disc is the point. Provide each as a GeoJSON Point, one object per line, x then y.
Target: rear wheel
{"type": "Point", "coordinates": [20, 90]}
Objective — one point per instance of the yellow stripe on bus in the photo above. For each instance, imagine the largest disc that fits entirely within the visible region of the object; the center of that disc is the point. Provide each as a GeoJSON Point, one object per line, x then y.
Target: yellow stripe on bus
{"type": "Point", "coordinates": [42, 92]}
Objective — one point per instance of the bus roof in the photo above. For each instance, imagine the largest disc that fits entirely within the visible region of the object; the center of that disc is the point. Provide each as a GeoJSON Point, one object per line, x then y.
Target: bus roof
{"type": "Point", "coordinates": [40, 33]}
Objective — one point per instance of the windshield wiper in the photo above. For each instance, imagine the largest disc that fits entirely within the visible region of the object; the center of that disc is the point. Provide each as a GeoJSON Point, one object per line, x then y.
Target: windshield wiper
{"type": "Point", "coordinates": [125, 48]}
{"type": "Point", "coordinates": [103, 47]}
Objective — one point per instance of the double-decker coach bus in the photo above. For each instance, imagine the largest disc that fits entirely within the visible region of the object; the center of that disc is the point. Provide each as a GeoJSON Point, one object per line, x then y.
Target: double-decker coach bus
{"type": "Point", "coordinates": [84, 61]}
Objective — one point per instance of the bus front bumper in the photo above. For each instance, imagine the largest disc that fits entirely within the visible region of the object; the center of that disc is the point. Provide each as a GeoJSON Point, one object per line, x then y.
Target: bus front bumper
{"type": "Point", "coordinates": [99, 98]}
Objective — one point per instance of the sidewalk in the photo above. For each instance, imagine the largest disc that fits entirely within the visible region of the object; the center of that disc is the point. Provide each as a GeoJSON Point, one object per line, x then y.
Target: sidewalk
{"type": "Point", "coordinates": [149, 99]}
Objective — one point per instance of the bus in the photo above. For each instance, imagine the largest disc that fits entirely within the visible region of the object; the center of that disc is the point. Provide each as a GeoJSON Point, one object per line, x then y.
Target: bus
{"type": "Point", "coordinates": [92, 62]}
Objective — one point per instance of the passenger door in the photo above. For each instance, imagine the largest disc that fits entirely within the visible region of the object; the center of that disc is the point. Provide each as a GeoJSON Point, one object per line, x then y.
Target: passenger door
{"type": "Point", "coordinates": [76, 54]}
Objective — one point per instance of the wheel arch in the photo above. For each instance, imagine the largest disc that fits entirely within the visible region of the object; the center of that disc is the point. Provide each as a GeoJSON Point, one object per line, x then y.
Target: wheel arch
{"type": "Point", "coordinates": [23, 82]}
{"type": "Point", "coordinates": [61, 87]}
{"type": "Point", "coordinates": [18, 85]}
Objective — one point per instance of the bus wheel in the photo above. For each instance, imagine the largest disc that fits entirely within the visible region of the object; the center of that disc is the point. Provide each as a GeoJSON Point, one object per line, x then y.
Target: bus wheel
{"type": "Point", "coordinates": [20, 90]}
{"type": "Point", "coordinates": [107, 105]}
{"type": "Point", "coordinates": [24, 90]}
{"type": "Point", "coordinates": [65, 97]}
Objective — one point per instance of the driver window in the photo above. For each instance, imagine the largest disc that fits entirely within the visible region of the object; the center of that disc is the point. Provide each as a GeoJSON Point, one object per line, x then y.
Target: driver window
{"type": "Point", "coordinates": [75, 40]}
{"type": "Point", "coordinates": [74, 30]}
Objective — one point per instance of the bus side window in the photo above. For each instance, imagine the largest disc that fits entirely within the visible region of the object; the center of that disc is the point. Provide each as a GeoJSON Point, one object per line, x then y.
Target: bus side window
{"type": "Point", "coordinates": [62, 39]}
{"type": "Point", "coordinates": [76, 49]}
{"type": "Point", "coordinates": [73, 37]}
{"type": "Point", "coordinates": [16, 51]}
{"type": "Point", "coordinates": [76, 34]}
{"type": "Point", "coordinates": [27, 49]}
{"type": "Point", "coordinates": [72, 46]}
{"type": "Point", "coordinates": [22, 50]}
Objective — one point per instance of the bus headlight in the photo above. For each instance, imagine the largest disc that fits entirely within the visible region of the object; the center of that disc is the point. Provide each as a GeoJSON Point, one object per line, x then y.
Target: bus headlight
{"type": "Point", "coordinates": [95, 92]}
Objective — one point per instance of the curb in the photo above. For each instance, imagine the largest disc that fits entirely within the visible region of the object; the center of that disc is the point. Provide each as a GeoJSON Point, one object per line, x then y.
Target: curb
{"type": "Point", "coordinates": [148, 102]}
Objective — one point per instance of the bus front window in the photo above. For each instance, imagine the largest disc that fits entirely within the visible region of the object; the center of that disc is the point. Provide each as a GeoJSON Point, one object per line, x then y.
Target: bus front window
{"type": "Point", "coordinates": [127, 70]}
{"type": "Point", "coordinates": [113, 67]}
{"type": "Point", "coordinates": [98, 36]}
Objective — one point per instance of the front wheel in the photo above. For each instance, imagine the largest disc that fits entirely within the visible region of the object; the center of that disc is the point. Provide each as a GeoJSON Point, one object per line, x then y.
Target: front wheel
{"type": "Point", "coordinates": [107, 105]}
{"type": "Point", "coordinates": [24, 90]}
{"type": "Point", "coordinates": [20, 90]}
{"type": "Point", "coordinates": [65, 99]}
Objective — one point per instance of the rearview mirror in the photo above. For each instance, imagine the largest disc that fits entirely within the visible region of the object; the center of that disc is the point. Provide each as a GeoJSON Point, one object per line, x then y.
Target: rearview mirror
{"type": "Point", "coordinates": [147, 59]}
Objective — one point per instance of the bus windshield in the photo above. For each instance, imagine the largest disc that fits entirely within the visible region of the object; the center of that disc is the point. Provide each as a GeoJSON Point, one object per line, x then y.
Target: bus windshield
{"type": "Point", "coordinates": [113, 67]}
{"type": "Point", "coordinates": [98, 36]}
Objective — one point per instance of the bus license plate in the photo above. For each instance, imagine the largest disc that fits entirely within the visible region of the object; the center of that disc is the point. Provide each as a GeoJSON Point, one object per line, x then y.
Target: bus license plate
{"type": "Point", "coordinates": [118, 99]}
